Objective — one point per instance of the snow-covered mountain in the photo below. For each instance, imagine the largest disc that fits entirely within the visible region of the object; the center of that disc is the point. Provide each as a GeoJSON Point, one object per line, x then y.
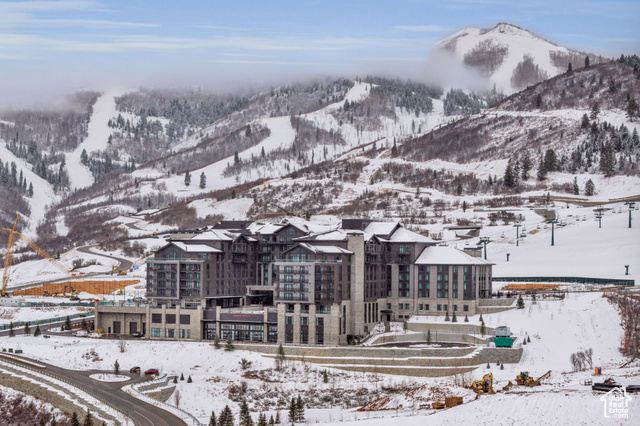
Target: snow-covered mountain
{"type": "Point", "coordinates": [509, 57]}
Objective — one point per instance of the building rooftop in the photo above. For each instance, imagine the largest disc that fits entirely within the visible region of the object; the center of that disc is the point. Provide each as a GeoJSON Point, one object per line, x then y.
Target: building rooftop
{"type": "Point", "coordinates": [195, 248]}
{"type": "Point", "coordinates": [325, 249]}
{"type": "Point", "coordinates": [445, 255]}
{"type": "Point", "coordinates": [403, 235]}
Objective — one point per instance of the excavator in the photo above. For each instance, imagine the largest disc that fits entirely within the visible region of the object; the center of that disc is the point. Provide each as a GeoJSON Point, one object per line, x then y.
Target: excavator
{"type": "Point", "coordinates": [484, 386]}
{"type": "Point", "coordinates": [121, 272]}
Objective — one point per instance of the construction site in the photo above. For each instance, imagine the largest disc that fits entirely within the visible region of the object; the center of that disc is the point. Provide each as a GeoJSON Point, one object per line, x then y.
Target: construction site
{"type": "Point", "coordinates": [70, 287]}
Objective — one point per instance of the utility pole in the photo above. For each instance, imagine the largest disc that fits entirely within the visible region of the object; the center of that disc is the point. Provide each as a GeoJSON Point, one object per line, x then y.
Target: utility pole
{"type": "Point", "coordinates": [485, 241]}
{"type": "Point", "coordinates": [517, 225]}
{"type": "Point", "coordinates": [599, 213]}
{"type": "Point", "coordinates": [552, 222]}
{"type": "Point", "coordinates": [631, 205]}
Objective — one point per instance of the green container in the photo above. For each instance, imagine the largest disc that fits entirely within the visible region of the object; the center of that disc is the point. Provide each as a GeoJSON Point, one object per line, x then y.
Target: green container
{"type": "Point", "coordinates": [503, 342]}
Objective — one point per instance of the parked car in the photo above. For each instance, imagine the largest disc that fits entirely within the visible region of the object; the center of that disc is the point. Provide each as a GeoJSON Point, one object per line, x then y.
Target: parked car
{"type": "Point", "coordinates": [134, 370]}
{"type": "Point", "coordinates": [138, 334]}
{"type": "Point", "coordinates": [151, 371]}
{"type": "Point", "coordinates": [96, 335]}
{"type": "Point", "coordinates": [81, 333]}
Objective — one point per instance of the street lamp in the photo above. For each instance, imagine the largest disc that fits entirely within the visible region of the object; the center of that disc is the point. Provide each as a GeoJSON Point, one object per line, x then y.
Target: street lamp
{"type": "Point", "coordinates": [552, 222]}
{"type": "Point", "coordinates": [485, 241]}
{"type": "Point", "coordinates": [631, 205]}
{"type": "Point", "coordinates": [599, 213]}
{"type": "Point", "coordinates": [517, 225]}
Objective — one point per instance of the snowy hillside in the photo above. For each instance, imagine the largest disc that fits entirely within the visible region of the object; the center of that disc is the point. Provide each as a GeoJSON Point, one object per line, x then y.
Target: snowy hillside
{"type": "Point", "coordinates": [497, 53]}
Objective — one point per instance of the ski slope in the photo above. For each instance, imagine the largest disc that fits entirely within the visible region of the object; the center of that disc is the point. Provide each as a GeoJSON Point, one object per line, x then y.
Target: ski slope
{"type": "Point", "coordinates": [98, 134]}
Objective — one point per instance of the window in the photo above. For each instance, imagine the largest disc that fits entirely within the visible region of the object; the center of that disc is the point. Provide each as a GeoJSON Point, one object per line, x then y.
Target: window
{"type": "Point", "coordinates": [439, 307]}
{"type": "Point", "coordinates": [170, 333]}
{"type": "Point", "coordinates": [156, 332]}
{"type": "Point", "coordinates": [170, 318]}
{"type": "Point", "coordinates": [156, 319]}
{"type": "Point", "coordinates": [455, 307]}
{"type": "Point", "coordinates": [465, 308]}
{"type": "Point", "coordinates": [185, 319]}
{"type": "Point", "coordinates": [420, 307]}
{"type": "Point", "coordinates": [406, 306]}
{"type": "Point", "coordinates": [426, 307]}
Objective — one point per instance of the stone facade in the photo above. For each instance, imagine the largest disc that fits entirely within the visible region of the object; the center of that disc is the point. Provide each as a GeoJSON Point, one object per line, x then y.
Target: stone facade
{"type": "Point", "coordinates": [287, 284]}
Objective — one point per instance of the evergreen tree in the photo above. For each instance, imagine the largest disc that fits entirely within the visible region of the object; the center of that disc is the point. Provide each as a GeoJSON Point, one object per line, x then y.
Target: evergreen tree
{"type": "Point", "coordinates": [74, 419]}
{"type": "Point", "coordinates": [216, 342]}
{"type": "Point", "coordinates": [454, 318]}
{"type": "Point", "coordinates": [11, 332]}
{"type": "Point", "coordinates": [277, 417]}
{"type": "Point", "coordinates": [394, 149]}
{"type": "Point", "coordinates": [446, 316]}
{"type": "Point", "coordinates": [325, 376]}
{"type": "Point", "coordinates": [236, 158]}
{"type": "Point", "coordinates": [542, 171]}
{"type": "Point", "coordinates": [586, 62]}
{"type": "Point", "coordinates": [632, 109]}
{"type": "Point", "coordinates": [607, 161]}
{"type": "Point", "coordinates": [67, 323]}
{"type": "Point", "coordinates": [595, 111]}
{"type": "Point", "coordinates": [576, 188]}
{"type": "Point", "coordinates": [550, 160]}
{"type": "Point", "coordinates": [27, 329]}
{"type": "Point", "coordinates": [116, 368]}
{"type": "Point", "coordinates": [589, 188]}
{"type": "Point", "coordinates": [520, 303]}
{"type": "Point", "coordinates": [292, 410]}
{"type": "Point", "coordinates": [262, 419]}
{"type": "Point", "coordinates": [280, 358]}
{"type": "Point", "coordinates": [30, 189]}
{"type": "Point", "coordinates": [189, 380]}
{"type": "Point", "coordinates": [247, 132]}
{"type": "Point", "coordinates": [187, 178]}
{"type": "Point", "coordinates": [230, 346]}
{"type": "Point", "coordinates": [526, 165]}
{"type": "Point", "coordinates": [262, 153]}
{"type": "Point", "coordinates": [37, 332]}
{"type": "Point", "coordinates": [585, 121]}
{"type": "Point", "coordinates": [226, 417]}
{"type": "Point", "coordinates": [212, 420]}
{"type": "Point", "coordinates": [88, 420]}
{"type": "Point", "coordinates": [203, 180]}
{"type": "Point", "coordinates": [539, 101]}
{"type": "Point", "coordinates": [429, 336]}
{"type": "Point", "coordinates": [299, 410]}
{"type": "Point", "coordinates": [466, 318]}
{"type": "Point", "coordinates": [509, 179]}
{"type": "Point", "coordinates": [569, 67]}
{"type": "Point", "coordinates": [84, 157]}
{"type": "Point", "coordinates": [181, 376]}
{"type": "Point", "coordinates": [233, 193]}
{"type": "Point", "coordinates": [271, 420]}
{"type": "Point", "coordinates": [483, 328]}
{"type": "Point", "coordinates": [245, 415]}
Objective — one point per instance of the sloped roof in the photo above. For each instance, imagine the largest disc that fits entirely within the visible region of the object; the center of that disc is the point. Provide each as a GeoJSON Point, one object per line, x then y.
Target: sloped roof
{"type": "Point", "coordinates": [212, 235]}
{"type": "Point", "coordinates": [445, 255]}
{"type": "Point", "coordinates": [381, 228]}
{"type": "Point", "coordinates": [403, 235]}
{"type": "Point", "coordinates": [324, 249]}
{"type": "Point", "coordinates": [336, 235]}
{"type": "Point", "coordinates": [195, 248]}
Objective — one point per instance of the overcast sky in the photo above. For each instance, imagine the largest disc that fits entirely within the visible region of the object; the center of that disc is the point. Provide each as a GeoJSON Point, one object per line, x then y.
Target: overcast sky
{"type": "Point", "coordinates": [53, 46]}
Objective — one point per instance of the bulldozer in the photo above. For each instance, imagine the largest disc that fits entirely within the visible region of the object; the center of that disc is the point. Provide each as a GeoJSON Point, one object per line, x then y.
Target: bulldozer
{"type": "Point", "coordinates": [484, 386]}
{"type": "Point", "coordinates": [524, 379]}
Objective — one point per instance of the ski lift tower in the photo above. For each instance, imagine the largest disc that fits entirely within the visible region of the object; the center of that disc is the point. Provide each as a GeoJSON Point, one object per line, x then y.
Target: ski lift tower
{"type": "Point", "coordinates": [552, 222]}
{"type": "Point", "coordinates": [631, 205]}
{"type": "Point", "coordinates": [599, 213]}
{"type": "Point", "coordinates": [485, 241]}
{"type": "Point", "coordinates": [517, 225]}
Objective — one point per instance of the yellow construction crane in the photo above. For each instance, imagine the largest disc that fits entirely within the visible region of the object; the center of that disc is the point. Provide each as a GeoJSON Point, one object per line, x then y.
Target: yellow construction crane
{"type": "Point", "coordinates": [9, 255]}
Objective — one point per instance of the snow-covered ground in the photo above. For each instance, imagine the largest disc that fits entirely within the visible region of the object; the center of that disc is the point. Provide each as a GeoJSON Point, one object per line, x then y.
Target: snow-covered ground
{"type": "Point", "coordinates": [98, 135]}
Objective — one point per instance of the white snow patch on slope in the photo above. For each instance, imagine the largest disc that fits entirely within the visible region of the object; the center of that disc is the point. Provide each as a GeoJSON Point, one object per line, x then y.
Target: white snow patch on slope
{"type": "Point", "coordinates": [43, 194]}
{"type": "Point", "coordinates": [96, 140]}
{"type": "Point", "coordinates": [233, 209]}
{"type": "Point", "coordinates": [519, 43]}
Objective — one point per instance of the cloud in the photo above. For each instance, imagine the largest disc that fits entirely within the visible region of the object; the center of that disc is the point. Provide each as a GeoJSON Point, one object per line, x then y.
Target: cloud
{"type": "Point", "coordinates": [422, 28]}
